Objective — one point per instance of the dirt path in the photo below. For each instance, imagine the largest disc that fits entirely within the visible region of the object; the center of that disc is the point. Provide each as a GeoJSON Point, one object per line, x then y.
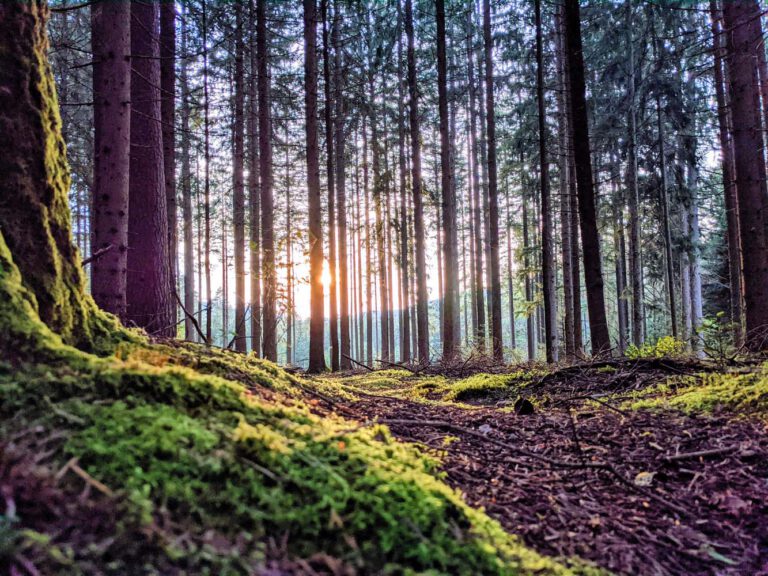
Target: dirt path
{"type": "Point", "coordinates": [634, 492]}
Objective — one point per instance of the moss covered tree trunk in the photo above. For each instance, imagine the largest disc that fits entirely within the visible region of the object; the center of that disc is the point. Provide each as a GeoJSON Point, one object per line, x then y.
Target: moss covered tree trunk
{"type": "Point", "coordinates": [34, 183]}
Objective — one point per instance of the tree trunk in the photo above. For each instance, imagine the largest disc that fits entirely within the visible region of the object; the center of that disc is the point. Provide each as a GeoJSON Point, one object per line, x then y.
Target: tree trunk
{"type": "Point", "coordinates": [35, 229]}
{"type": "Point", "coordinates": [341, 193]}
{"type": "Point", "coordinates": [111, 42]}
{"type": "Point", "coordinates": [564, 189]}
{"type": "Point", "coordinates": [405, 304]}
{"type": "Point", "coordinates": [590, 238]}
{"type": "Point", "coordinates": [635, 257]}
{"type": "Point", "coordinates": [238, 182]}
{"type": "Point", "coordinates": [743, 40]}
{"type": "Point", "coordinates": [368, 255]}
{"type": "Point", "coordinates": [269, 269]}
{"type": "Point", "coordinates": [330, 180]}
{"type": "Point", "coordinates": [728, 169]}
{"type": "Point", "coordinates": [207, 183]}
{"type": "Point", "coordinates": [254, 190]}
{"type": "Point", "coordinates": [448, 195]}
{"type": "Point", "coordinates": [186, 194]}
{"type": "Point", "coordinates": [496, 337]}
{"type": "Point", "coordinates": [547, 248]}
{"type": "Point", "coordinates": [316, 321]}
{"type": "Point", "coordinates": [665, 222]}
{"type": "Point", "coordinates": [168, 114]}
{"type": "Point", "coordinates": [149, 299]}
{"type": "Point", "coordinates": [422, 297]}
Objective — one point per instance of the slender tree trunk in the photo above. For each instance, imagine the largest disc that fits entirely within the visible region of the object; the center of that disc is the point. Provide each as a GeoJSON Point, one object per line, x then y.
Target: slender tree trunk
{"type": "Point", "coordinates": [254, 191]}
{"type": "Point", "coordinates": [111, 42]}
{"type": "Point", "coordinates": [269, 268]}
{"type": "Point", "coordinates": [405, 305]}
{"type": "Point", "coordinates": [510, 276]}
{"type": "Point", "coordinates": [530, 324]}
{"type": "Point", "coordinates": [665, 222]}
{"type": "Point", "coordinates": [330, 180]}
{"type": "Point", "coordinates": [598, 323]}
{"type": "Point", "coordinates": [422, 298]}
{"type": "Point", "coordinates": [622, 310]}
{"type": "Point", "coordinates": [728, 169]}
{"type": "Point", "coordinates": [238, 182]}
{"type": "Point", "coordinates": [368, 256]}
{"type": "Point", "coordinates": [450, 315]}
{"type": "Point", "coordinates": [340, 137]}
{"type": "Point", "coordinates": [316, 322]}
{"type": "Point", "coordinates": [743, 40]}
{"type": "Point", "coordinates": [496, 337]}
{"type": "Point", "coordinates": [168, 114]}
{"type": "Point", "coordinates": [564, 189]}
{"type": "Point", "coordinates": [547, 246]}
{"type": "Point", "coordinates": [186, 194]}
{"type": "Point", "coordinates": [148, 292]}
{"type": "Point", "coordinates": [207, 185]}
{"type": "Point", "coordinates": [635, 257]}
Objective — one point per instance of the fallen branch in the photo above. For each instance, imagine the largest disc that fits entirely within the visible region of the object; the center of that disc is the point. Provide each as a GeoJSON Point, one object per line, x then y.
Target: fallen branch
{"type": "Point", "coordinates": [701, 453]}
{"type": "Point", "coordinates": [192, 318]}
{"type": "Point", "coordinates": [359, 363]}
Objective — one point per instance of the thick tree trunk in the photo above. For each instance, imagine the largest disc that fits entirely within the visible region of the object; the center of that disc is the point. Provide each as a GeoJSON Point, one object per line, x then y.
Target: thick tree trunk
{"type": "Point", "coordinates": [269, 269]}
{"type": "Point", "coordinates": [422, 297]}
{"type": "Point", "coordinates": [590, 237]}
{"type": "Point", "coordinates": [547, 246]}
{"type": "Point", "coordinates": [149, 290]}
{"type": "Point", "coordinates": [34, 186]}
{"type": "Point", "coordinates": [743, 40]}
{"type": "Point", "coordinates": [238, 182]}
{"type": "Point", "coordinates": [168, 114]}
{"type": "Point", "coordinates": [111, 43]}
{"type": "Point", "coordinates": [316, 321]}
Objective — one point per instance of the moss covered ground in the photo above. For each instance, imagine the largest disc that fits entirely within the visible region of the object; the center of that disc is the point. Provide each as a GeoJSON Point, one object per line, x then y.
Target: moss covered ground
{"type": "Point", "coordinates": [218, 461]}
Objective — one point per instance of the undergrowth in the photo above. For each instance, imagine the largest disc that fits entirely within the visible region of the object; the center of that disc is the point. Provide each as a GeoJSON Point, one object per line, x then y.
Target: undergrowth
{"type": "Point", "coordinates": [196, 447]}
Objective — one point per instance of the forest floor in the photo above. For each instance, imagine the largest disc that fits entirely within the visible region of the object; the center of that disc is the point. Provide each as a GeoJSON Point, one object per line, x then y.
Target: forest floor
{"type": "Point", "coordinates": [625, 464]}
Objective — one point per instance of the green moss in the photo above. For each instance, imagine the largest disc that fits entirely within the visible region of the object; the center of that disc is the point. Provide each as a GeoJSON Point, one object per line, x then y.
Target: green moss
{"type": "Point", "coordinates": [664, 347]}
{"type": "Point", "coordinates": [206, 452]}
{"type": "Point", "coordinates": [738, 393]}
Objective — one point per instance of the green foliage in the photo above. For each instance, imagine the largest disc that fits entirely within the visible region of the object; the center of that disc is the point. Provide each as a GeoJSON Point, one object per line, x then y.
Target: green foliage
{"type": "Point", "coordinates": [716, 332]}
{"type": "Point", "coordinates": [665, 347]}
{"type": "Point", "coordinates": [741, 394]}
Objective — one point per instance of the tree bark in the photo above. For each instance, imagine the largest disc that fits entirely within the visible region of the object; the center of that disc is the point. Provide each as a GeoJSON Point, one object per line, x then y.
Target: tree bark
{"type": "Point", "coordinates": [422, 297]}
{"type": "Point", "coordinates": [598, 323]}
{"type": "Point", "coordinates": [743, 40]}
{"type": "Point", "coordinates": [547, 248]}
{"type": "Point", "coordinates": [316, 322]}
{"type": "Point", "coordinates": [493, 204]}
{"type": "Point", "coordinates": [268, 267]}
{"type": "Point", "coordinates": [450, 313]}
{"type": "Point", "coordinates": [35, 228]}
{"type": "Point", "coordinates": [728, 170]}
{"type": "Point", "coordinates": [186, 194]}
{"type": "Point", "coordinates": [150, 303]}
{"type": "Point", "coordinates": [254, 190]}
{"type": "Point", "coordinates": [168, 114]}
{"type": "Point", "coordinates": [111, 42]}
{"type": "Point", "coordinates": [238, 182]}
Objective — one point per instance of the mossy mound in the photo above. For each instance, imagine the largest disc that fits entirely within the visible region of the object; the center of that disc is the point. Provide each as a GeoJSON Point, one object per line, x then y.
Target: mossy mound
{"type": "Point", "coordinates": [213, 471]}
{"type": "Point", "coordinates": [740, 394]}
{"type": "Point", "coordinates": [478, 388]}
